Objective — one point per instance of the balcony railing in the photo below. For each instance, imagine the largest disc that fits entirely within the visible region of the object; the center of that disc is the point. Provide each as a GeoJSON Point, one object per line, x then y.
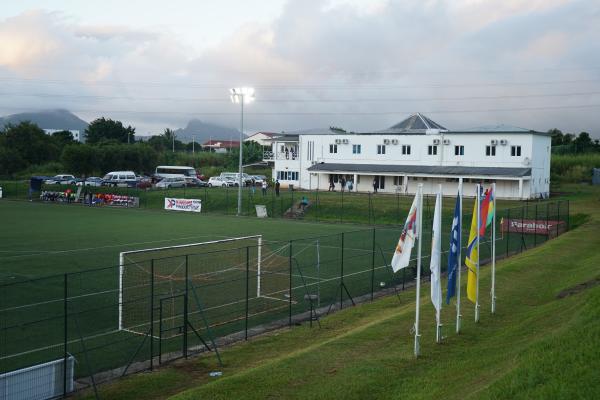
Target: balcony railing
{"type": "Point", "coordinates": [270, 156]}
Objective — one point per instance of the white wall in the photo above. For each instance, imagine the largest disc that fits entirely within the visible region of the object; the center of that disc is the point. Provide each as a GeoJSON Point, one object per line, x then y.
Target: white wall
{"type": "Point", "coordinates": [315, 149]}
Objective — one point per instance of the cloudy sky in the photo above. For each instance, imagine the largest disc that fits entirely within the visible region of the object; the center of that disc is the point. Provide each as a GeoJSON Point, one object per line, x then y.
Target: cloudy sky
{"type": "Point", "coordinates": [361, 65]}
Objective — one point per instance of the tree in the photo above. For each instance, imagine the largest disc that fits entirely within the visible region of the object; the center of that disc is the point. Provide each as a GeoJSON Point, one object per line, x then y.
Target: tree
{"type": "Point", "coordinates": [583, 142]}
{"type": "Point", "coordinates": [557, 136]}
{"type": "Point", "coordinates": [252, 153]}
{"type": "Point", "coordinates": [80, 159]}
{"type": "Point", "coordinates": [103, 129]}
{"type": "Point", "coordinates": [30, 142]}
{"type": "Point", "coordinates": [568, 138]}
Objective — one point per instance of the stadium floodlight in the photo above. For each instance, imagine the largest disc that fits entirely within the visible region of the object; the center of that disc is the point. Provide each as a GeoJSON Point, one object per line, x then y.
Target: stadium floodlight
{"type": "Point", "coordinates": [243, 95]}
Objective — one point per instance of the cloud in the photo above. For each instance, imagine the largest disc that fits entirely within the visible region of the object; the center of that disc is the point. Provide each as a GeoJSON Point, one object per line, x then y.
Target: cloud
{"type": "Point", "coordinates": [345, 63]}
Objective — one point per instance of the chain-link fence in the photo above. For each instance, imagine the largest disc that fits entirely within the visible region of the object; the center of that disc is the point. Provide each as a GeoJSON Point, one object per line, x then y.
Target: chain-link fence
{"type": "Point", "coordinates": [308, 205]}
{"type": "Point", "coordinates": [67, 332]}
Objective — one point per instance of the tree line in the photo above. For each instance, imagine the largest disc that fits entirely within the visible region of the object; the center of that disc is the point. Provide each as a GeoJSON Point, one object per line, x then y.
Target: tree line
{"type": "Point", "coordinates": [27, 149]}
{"type": "Point", "coordinates": [571, 143]}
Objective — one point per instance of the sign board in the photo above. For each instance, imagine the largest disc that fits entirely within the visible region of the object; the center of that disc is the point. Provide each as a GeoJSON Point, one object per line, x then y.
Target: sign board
{"type": "Point", "coordinates": [261, 211]}
{"type": "Point", "coordinates": [191, 205]}
{"type": "Point", "coordinates": [532, 226]}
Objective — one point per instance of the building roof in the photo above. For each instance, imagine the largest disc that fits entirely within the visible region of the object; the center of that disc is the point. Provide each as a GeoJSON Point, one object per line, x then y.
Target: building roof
{"type": "Point", "coordinates": [417, 122]}
{"type": "Point", "coordinates": [421, 169]}
{"type": "Point", "coordinates": [227, 144]}
{"type": "Point", "coordinates": [268, 134]}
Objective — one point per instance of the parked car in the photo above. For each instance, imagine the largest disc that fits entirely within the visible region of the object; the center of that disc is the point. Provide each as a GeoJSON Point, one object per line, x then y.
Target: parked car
{"type": "Point", "coordinates": [144, 182]}
{"type": "Point", "coordinates": [174, 182]}
{"type": "Point", "coordinates": [259, 179]}
{"type": "Point", "coordinates": [120, 178]}
{"type": "Point", "coordinates": [91, 181]}
{"type": "Point", "coordinates": [217, 181]}
{"type": "Point", "coordinates": [191, 181]}
{"type": "Point", "coordinates": [61, 179]}
{"type": "Point", "coordinates": [246, 179]}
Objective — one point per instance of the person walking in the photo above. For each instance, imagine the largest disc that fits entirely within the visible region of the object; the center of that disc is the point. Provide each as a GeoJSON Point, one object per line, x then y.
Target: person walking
{"type": "Point", "coordinates": [331, 185]}
{"type": "Point", "coordinates": [375, 185]}
{"type": "Point", "coordinates": [343, 183]}
{"type": "Point", "coordinates": [264, 187]}
{"type": "Point", "coordinates": [277, 186]}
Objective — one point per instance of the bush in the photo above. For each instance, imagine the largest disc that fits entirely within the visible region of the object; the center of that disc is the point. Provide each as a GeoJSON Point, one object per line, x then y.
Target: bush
{"type": "Point", "coordinates": [573, 167]}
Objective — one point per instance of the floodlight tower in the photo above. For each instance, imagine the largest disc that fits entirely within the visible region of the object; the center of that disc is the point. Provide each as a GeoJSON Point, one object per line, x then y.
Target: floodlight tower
{"type": "Point", "coordinates": [240, 96]}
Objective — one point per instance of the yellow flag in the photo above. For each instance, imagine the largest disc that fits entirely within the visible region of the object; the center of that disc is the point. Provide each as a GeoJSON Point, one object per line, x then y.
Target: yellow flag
{"type": "Point", "coordinates": [472, 258]}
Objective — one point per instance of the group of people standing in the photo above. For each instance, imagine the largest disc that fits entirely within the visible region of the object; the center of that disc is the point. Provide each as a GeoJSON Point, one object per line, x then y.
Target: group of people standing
{"type": "Point", "coordinates": [344, 184]}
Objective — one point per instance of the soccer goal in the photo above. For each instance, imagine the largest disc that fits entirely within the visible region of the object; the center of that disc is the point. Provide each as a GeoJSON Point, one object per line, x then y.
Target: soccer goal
{"type": "Point", "coordinates": [224, 271]}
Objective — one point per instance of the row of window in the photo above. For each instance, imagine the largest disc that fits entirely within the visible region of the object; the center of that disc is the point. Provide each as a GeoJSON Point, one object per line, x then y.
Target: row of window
{"type": "Point", "coordinates": [287, 175]}
{"type": "Point", "coordinates": [432, 150]}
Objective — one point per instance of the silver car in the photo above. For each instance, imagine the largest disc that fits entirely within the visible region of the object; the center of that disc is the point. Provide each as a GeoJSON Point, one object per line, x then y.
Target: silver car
{"type": "Point", "coordinates": [174, 182]}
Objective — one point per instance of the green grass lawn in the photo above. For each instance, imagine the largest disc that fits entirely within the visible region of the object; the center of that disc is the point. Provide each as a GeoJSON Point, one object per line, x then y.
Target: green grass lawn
{"type": "Point", "coordinates": [544, 341]}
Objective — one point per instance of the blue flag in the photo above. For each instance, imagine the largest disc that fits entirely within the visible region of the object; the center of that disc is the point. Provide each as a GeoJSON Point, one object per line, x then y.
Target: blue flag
{"type": "Point", "coordinates": [453, 260]}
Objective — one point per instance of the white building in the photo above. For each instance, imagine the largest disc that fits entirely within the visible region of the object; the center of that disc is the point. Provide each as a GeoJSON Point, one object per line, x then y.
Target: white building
{"type": "Point", "coordinates": [75, 132]}
{"type": "Point", "coordinates": [416, 150]}
{"type": "Point", "coordinates": [262, 138]}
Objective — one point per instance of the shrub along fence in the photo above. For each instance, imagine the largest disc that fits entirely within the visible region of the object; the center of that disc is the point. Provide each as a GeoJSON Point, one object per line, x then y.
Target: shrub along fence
{"type": "Point", "coordinates": [77, 329]}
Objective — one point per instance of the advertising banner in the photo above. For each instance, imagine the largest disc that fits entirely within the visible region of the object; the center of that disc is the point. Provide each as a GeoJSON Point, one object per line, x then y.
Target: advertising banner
{"type": "Point", "coordinates": [191, 205]}
{"type": "Point", "coordinates": [533, 227]}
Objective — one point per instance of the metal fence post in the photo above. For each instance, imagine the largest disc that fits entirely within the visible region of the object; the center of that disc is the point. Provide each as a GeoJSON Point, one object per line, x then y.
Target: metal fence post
{"type": "Point", "coordinates": [185, 309]}
{"type": "Point", "coordinates": [342, 206]}
{"type": "Point", "coordinates": [507, 231]}
{"type": "Point", "coordinates": [66, 314]}
{"type": "Point", "coordinates": [247, 290]}
{"type": "Point", "coordinates": [342, 275]}
{"type": "Point", "coordinates": [373, 265]}
{"type": "Point", "coordinates": [226, 200]}
{"type": "Point", "coordinates": [535, 226]}
{"type": "Point", "coordinates": [290, 284]}
{"type": "Point", "coordinates": [547, 221]}
{"type": "Point", "coordinates": [317, 204]}
{"type": "Point", "coordinates": [568, 215]}
{"type": "Point", "coordinates": [522, 227]}
{"type": "Point", "coordinates": [151, 314]}
{"type": "Point", "coordinates": [557, 216]}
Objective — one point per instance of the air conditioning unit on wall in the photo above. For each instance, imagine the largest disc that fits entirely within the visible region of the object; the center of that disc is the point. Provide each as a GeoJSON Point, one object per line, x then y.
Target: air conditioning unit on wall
{"type": "Point", "coordinates": [394, 141]}
{"type": "Point", "coordinates": [436, 141]}
{"type": "Point", "coordinates": [386, 141]}
{"type": "Point", "coordinates": [493, 142]}
{"type": "Point", "coordinates": [446, 141]}
{"type": "Point", "coordinates": [338, 141]}
{"type": "Point", "coordinates": [345, 141]}
{"type": "Point", "coordinates": [503, 142]}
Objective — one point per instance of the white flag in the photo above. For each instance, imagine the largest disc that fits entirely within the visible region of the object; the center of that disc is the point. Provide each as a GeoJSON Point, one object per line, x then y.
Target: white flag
{"type": "Point", "coordinates": [436, 255]}
{"type": "Point", "coordinates": [406, 242]}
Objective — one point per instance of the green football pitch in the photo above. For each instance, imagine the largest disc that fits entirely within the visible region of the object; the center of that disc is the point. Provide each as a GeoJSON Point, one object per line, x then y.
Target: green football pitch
{"type": "Point", "coordinates": [63, 290]}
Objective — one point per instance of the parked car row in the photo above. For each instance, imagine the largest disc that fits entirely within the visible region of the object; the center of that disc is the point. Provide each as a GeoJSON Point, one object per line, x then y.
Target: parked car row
{"type": "Point", "coordinates": [130, 179]}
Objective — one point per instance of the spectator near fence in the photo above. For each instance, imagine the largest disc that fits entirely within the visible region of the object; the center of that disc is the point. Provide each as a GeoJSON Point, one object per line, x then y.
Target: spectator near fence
{"type": "Point", "coordinates": [277, 186]}
{"type": "Point", "coordinates": [264, 187]}
{"type": "Point", "coordinates": [375, 185]}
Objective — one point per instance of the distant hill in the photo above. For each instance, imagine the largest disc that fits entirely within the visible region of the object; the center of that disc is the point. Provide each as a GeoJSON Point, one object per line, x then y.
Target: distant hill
{"type": "Point", "coordinates": [48, 119]}
{"type": "Point", "coordinates": [203, 131]}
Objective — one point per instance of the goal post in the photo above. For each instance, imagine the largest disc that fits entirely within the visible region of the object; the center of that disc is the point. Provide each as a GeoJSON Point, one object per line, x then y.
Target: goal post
{"type": "Point", "coordinates": [147, 275]}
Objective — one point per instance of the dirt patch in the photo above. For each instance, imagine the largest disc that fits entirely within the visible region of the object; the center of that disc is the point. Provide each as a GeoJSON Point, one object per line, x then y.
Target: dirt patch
{"type": "Point", "coordinates": [579, 288]}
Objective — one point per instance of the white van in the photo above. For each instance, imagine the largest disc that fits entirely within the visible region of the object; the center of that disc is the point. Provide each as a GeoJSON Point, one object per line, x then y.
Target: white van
{"type": "Point", "coordinates": [246, 179]}
{"type": "Point", "coordinates": [120, 178]}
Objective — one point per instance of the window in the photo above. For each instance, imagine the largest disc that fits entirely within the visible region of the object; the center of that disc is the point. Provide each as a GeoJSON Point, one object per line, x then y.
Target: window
{"type": "Point", "coordinates": [406, 149]}
{"type": "Point", "coordinates": [432, 150]}
{"type": "Point", "coordinates": [490, 151]}
{"type": "Point", "coordinates": [333, 148]}
{"type": "Point", "coordinates": [381, 149]}
{"type": "Point", "coordinates": [398, 180]}
{"type": "Point", "coordinates": [459, 150]}
{"type": "Point", "coordinates": [356, 149]}
{"type": "Point", "coordinates": [515, 151]}
{"type": "Point", "coordinates": [287, 175]}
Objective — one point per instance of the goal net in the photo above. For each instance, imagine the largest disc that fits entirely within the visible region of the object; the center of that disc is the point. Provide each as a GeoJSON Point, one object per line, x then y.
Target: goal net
{"type": "Point", "coordinates": [225, 273]}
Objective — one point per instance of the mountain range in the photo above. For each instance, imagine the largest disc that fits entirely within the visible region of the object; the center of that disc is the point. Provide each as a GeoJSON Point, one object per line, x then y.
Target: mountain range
{"type": "Point", "coordinates": [48, 119]}
{"type": "Point", "coordinates": [195, 129]}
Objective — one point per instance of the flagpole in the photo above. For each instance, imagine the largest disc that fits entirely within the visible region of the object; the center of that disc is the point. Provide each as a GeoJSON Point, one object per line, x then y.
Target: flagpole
{"type": "Point", "coordinates": [458, 316]}
{"type": "Point", "coordinates": [494, 251]}
{"type": "Point", "coordinates": [438, 331]}
{"type": "Point", "coordinates": [477, 199]}
{"type": "Point", "coordinates": [419, 235]}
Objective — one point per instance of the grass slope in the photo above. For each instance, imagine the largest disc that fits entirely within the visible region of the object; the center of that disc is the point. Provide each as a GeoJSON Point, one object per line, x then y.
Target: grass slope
{"type": "Point", "coordinates": [539, 345]}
